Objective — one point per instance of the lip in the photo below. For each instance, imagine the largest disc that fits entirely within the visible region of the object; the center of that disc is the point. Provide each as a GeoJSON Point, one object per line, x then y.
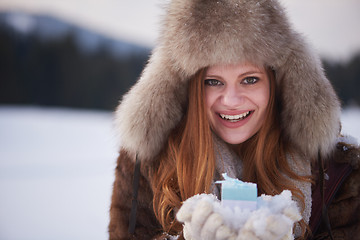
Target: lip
{"type": "Point", "coordinates": [237, 124]}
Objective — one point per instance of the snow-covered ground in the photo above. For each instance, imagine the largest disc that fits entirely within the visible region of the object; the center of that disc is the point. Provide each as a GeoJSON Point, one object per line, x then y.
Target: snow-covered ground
{"type": "Point", "coordinates": [57, 169]}
{"type": "Point", "coordinates": [56, 173]}
{"type": "Point", "coordinates": [351, 122]}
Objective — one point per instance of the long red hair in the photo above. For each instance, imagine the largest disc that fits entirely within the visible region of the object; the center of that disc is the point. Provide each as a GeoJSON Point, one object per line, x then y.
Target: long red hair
{"type": "Point", "coordinates": [186, 165]}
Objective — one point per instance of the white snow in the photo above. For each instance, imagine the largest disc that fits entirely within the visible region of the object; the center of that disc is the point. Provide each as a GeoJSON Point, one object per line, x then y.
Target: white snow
{"type": "Point", "coordinates": [57, 169]}
{"type": "Point", "coordinates": [351, 122]}
{"type": "Point", "coordinates": [56, 173]}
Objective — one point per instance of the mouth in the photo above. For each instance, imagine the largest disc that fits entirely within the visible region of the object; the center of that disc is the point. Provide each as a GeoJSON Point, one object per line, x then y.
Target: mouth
{"type": "Point", "coordinates": [235, 118]}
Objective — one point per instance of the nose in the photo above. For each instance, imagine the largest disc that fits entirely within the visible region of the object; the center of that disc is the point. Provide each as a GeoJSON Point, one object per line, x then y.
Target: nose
{"type": "Point", "coordinates": [232, 97]}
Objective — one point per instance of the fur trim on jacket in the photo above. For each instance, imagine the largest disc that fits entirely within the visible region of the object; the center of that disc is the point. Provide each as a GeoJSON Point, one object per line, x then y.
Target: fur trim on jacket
{"type": "Point", "coordinates": [200, 33]}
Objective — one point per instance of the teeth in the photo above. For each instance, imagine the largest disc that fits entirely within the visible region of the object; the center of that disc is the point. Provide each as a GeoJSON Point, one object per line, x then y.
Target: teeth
{"type": "Point", "coordinates": [234, 117]}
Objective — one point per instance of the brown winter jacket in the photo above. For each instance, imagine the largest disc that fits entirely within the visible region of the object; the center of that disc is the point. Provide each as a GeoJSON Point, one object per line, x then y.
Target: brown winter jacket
{"type": "Point", "coordinates": [343, 211]}
{"type": "Point", "coordinates": [147, 227]}
{"type": "Point", "coordinates": [342, 196]}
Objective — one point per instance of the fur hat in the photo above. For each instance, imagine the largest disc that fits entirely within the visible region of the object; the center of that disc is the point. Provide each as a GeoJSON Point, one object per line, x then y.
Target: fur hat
{"type": "Point", "coordinates": [200, 33]}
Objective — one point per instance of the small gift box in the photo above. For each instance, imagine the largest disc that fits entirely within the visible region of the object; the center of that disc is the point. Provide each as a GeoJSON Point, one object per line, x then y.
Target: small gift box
{"type": "Point", "coordinates": [236, 193]}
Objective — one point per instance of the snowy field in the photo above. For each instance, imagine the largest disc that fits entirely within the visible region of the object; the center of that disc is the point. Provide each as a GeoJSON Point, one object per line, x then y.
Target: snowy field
{"type": "Point", "coordinates": [56, 173]}
{"type": "Point", "coordinates": [57, 169]}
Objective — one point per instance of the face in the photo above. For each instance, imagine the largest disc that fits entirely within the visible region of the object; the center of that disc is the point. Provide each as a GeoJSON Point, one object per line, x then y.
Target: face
{"type": "Point", "coordinates": [236, 99]}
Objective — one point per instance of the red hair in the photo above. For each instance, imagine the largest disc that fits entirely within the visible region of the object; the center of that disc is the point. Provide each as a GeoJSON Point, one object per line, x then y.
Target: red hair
{"type": "Point", "coordinates": [186, 165]}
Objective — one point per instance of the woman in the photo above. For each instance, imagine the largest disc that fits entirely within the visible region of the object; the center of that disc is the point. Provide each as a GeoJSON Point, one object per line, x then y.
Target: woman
{"type": "Point", "coordinates": [231, 87]}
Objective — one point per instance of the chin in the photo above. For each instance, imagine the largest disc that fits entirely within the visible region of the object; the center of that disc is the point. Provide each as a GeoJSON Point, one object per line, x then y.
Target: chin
{"type": "Point", "coordinates": [234, 140]}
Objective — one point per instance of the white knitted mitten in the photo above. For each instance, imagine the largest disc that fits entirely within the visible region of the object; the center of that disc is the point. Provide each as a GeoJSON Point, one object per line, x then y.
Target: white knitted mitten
{"type": "Point", "coordinates": [204, 217]}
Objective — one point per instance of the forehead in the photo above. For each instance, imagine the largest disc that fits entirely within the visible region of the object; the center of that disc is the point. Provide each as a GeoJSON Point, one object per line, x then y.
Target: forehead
{"type": "Point", "coordinates": [237, 68]}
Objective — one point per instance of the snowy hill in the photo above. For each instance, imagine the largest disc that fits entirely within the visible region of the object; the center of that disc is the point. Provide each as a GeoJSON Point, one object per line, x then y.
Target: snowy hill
{"type": "Point", "coordinates": [57, 168]}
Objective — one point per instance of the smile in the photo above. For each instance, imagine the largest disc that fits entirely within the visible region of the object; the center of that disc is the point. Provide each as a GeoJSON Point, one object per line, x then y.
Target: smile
{"type": "Point", "coordinates": [235, 118]}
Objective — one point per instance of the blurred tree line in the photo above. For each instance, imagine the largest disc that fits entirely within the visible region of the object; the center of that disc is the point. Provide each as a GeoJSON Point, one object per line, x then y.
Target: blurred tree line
{"type": "Point", "coordinates": [59, 73]}
{"type": "Point", "coordinates": [345, 78]}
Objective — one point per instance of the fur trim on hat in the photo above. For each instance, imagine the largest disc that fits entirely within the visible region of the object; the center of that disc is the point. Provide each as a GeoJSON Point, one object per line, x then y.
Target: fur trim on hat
{"type": "Point", "coordinates": [200, 33]}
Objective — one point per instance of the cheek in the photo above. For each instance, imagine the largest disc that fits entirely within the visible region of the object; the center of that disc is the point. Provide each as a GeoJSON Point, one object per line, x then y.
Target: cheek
{"type": "Point", "coordinates": [259, 101]}
{"type": "Point", "coordinates": [263, 97]}
{"type": "Point", "coordinates": [210, 105]}
{"type": "Point", "coordinates": [210, 99]}
{"type": "Point", "coordinates": [264, 100]}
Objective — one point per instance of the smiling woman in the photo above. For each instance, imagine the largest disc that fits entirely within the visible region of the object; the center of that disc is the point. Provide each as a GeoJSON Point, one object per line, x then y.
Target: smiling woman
{"type": "Point", "coordinates": [231, 87]}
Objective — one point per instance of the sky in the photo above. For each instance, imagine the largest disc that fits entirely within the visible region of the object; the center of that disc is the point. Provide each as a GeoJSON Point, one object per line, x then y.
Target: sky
{"type": "Point", "coordinates": [331, 26]}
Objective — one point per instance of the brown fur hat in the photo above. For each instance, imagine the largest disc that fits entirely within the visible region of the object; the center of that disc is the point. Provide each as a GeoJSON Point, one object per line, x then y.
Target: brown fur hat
{"type": "Point", "coordinates": [200, 33]}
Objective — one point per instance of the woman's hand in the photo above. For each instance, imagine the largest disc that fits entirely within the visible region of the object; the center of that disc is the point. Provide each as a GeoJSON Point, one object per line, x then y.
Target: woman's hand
{"type": "Point", "coordinates": [202, 221]}
{"type": "Point", "coordinates": [205, 218]}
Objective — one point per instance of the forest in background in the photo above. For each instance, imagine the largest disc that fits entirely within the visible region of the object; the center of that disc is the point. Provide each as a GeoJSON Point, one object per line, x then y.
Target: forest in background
{"type": "Point", "coordinates": [64, 70]}
{"type": "Point", "coordinates": [59, 72]}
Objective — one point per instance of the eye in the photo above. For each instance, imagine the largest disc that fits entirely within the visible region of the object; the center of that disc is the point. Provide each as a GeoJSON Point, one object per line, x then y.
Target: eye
{"type": "Point", "coordinates": [212, 82]}
{"type": "Point", "coordinates": [250, 80]}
